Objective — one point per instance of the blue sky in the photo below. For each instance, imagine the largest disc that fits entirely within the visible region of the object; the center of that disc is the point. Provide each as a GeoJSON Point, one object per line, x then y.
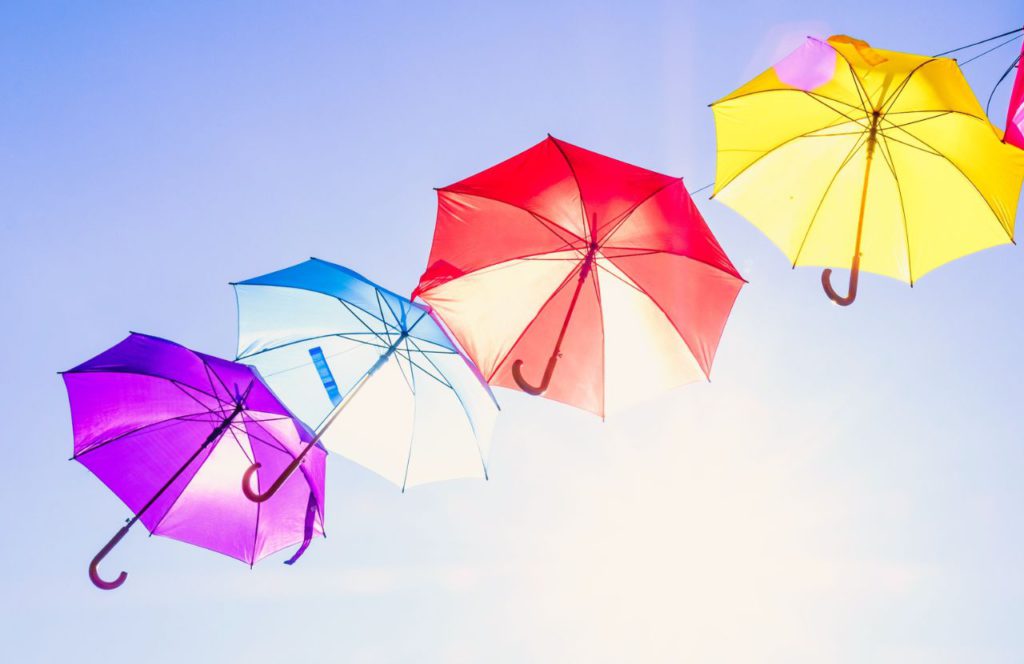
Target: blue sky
{"type": "Point", "coordinates": [846, 490]}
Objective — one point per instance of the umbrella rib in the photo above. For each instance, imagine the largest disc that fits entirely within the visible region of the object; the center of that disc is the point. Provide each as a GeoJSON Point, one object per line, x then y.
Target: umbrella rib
{"type": "Point", "coordinates": [440, 373]}
{"type": "Point", "coordinates": [156, 526]}
{"type": "Point", "coordinates": [769, 151]}
{"type": "Point", "coordinates": [891, 101]}
{"type": "Point", "coordinates": [547, 224]}
{"type": "Point", "coordinates": [209, 372]}
{"type": "Point", "coordinates": [398, 320]}
{"type": "Point", "coordinates": [939, 114]}
{"type": "Point", "coordinates": [629, 213]}
{"type": "Point", "coordinates": [128, 434]}
{"type": "Point", "coordinates": [604, 350]}
{"type": "Point", "coordinates": [588, 232]}
{"type": "Point", "coordinates": [412, 434]}
{"type": "Point", "coordinates": [926, 150]}
{"type": "Point", "coordinates": [853, 151]}
{"type": "Point", "coordinates": [964, 175]}
{"type": "Point", "coordinates": [343, 335]}
{"type": "Point", "coordinates": [458, 396]}
{"type": "Point", "coordinates": [183, 390]}
{"type": "Point", "coordinates": [251, 455]}
{"type": "Point", "coordinates": [271, 443]}
{"type": "Point", "coordinates": [803, 92]}
{"type": "Point", "coordinates": [657, 304]}
{"type": "Point", "coordinates": [888, 158]}
{"type": "Point", "coordinates": [362, 322]}
{"type": "Point", "coordinates": [381, 309]}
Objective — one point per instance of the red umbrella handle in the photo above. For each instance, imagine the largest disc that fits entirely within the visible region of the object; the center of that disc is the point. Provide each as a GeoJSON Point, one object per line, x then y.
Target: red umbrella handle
{"type": "Point", "coordinates": [517, 374]}
{"type": "Point", "coordinates": [94, 574]}
{"type": "Point", "coordinates": [826, 283]}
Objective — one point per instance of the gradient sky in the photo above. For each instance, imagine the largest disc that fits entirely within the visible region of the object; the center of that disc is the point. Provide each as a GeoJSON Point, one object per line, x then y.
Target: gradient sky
{"type": "Point", "coordinates": [846, 490]}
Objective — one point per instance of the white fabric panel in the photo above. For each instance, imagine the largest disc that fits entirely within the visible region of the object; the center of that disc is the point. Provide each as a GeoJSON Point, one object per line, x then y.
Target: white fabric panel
{"type": "Point", "coordinates": [444, 445]}
{"type": "Point", "coordinates": [375, 429]}
{"type": "Point", "coordinates": [644, 355]}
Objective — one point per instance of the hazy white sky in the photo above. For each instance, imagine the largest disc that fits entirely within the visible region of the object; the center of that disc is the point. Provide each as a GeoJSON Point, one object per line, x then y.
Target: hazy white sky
{"type": "Point", "coordinates": [846, 490]}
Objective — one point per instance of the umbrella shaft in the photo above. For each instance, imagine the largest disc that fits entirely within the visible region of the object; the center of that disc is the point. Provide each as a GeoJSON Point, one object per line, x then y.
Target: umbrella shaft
{"type": "Point", "coordinates": [588, 263]}
{"type": "Point", "coordinates": [872, 141]}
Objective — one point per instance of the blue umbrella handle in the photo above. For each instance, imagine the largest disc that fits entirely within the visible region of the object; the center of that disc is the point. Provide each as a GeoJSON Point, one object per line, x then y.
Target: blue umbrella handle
{"type": "Point", "coordinates": [94, 575]}
{"type": "Point", "coordinates": [826, 283]}
{"type": "Point", "coordinates": [517, 374]}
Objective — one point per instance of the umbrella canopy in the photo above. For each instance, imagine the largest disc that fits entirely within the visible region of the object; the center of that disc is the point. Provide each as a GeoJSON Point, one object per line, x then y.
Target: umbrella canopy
{"type": "Point", "coordinates": [321, 333]}
{"type": "Point", "coordinates": [843, 154]}
{"type": "Point", "coordinates": [1015, 112]}
{"type": "Point", "coordinates": [563, 256]}
{"type": "Point", "coordinates": [170, 430]}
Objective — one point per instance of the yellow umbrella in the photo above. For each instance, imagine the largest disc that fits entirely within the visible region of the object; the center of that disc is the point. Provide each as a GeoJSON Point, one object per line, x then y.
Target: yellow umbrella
{"type": "Point", "coordinates": [842, 151]}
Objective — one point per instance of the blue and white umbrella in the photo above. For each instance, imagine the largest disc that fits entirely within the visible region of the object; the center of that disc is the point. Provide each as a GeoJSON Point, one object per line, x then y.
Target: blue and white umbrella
{"type": "Point", "coordinates": [320, 333]}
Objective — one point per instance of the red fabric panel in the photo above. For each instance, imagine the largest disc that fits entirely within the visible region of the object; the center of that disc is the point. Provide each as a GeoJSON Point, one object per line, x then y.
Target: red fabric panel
{"type": "Point", "coordinates": [474, 232]}
{"type": "Point", "coordinates": [610, 188]}
{"type": "Point", "coordinates": [538, 180]}
{"type": "Point", "coordinates": [670, 222]}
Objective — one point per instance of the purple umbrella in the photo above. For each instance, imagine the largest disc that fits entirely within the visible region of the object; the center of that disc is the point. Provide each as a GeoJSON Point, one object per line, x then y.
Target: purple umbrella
{"type": "Point", "coordinates": [170, 431]}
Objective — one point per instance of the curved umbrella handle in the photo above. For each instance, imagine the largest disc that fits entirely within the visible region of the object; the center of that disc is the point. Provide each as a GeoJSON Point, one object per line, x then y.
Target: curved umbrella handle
{"type": "Point", "coordinates": [94, 574]}
{"type": "Point", "coordinates": [517, 374]}
{"type": "Point", "coordinates": [281, 479]}
{"type": "Point", "coordinates": [826, 283]}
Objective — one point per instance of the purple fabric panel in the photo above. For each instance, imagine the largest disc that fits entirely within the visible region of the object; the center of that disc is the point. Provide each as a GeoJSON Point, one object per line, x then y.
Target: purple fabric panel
{"type": "Point", "coordinates": [137, 465]}
{"type": "Point", "coordinates": [808, 67]}
{"type": "Point", "coordinates": [282, 518]}
{"type": "Point", "coordinates": [105, 405]}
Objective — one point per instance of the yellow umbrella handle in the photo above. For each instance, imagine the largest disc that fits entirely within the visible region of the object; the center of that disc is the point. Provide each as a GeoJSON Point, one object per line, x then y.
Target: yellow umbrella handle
{"type": "Point", "coordinates": [826, 283]}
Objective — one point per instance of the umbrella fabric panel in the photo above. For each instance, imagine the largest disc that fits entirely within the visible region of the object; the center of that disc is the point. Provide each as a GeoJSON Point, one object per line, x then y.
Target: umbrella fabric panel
{"type": "Point", "coordinates": [470, 246]}
{"type": "Point", "coordinates": [1015, 110]}
{"type": "Point", "coordinates": [694, 298]}
{"type": "Point", "coordinates": [103, 405]}
{"type": "Point", "coordinates": [539, 180]}
{"type": "Point", "coordinates": [667, 221]}
{"type": "Point", "coordinates": [212, 513]}
{"type": "Point", "coordinates": [643, 353]}
{"type": "Point", "coordinates": [610, 189]}
{"type": "Point", "coordinates": [338, 282]}
{"type": "Point", "coordinates": [136, 465]}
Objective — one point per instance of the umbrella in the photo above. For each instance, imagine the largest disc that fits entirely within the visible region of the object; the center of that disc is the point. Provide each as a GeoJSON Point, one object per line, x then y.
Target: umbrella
{"type": "Point", "coordinates": [843, 154]}
{"type": "Point", "coordinates": [321, 333]}
{"type": "Point", "coordinates": [1015, 111]}
{"type": "Point", "coordinates": [561, 256]}
{"type": "Point", "coordinates": [163, 427]}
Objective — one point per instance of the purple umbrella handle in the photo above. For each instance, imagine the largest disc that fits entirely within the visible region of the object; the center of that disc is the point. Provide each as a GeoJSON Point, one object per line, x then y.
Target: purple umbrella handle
{"type": "Point", "coordinates": [94, 575]}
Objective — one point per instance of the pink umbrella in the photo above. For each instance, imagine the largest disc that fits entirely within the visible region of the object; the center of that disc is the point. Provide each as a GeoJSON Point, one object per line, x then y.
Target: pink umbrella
{"type": "Point", "coordinates": [1015, 112]}
{"type": "Point", "coordinates": [170, 430]}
